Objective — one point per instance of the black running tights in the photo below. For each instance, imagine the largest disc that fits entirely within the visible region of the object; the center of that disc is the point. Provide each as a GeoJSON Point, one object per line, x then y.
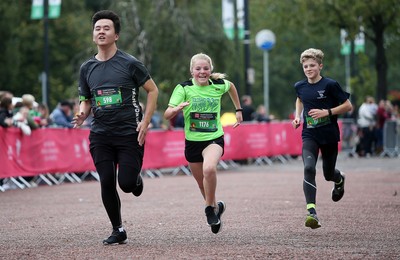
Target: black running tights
{"type": "Point", "coordinates": [310, 152]}
{"type": "Point", "coordinates": [107, 171]}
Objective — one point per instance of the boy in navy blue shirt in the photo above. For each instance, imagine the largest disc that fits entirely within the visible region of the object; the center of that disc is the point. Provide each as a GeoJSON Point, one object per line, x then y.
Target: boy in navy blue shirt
{"type": "Point", "coordinates": [319, 102]}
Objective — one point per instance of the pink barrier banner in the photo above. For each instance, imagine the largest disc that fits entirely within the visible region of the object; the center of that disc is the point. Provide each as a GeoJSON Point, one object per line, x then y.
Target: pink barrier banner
{"type": "Point", "coordinates": [58, 150]}
{"type": "Point", "coordinates": [164, 149]}
{"type": "Point", "coordinates": [49, 150]}
{"type": "Point", "coordinates": [263, 139]}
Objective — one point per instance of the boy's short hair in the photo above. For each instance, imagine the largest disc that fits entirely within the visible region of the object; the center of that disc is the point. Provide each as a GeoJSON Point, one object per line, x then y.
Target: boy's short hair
{"type": "Point", "coordinates": [312, 53]}
{"type": "Point", "coordinates": [107, 14]}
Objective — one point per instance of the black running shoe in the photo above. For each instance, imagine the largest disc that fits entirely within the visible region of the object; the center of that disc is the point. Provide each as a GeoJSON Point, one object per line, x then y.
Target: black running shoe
{"type": "Point", "coordinates": [139, 186]}
{"type": "Point", "coordinates": [312, 221]}
{"type": "Point", "coordinates": [117, 237]}
{"type": "Point", "coordinates": [221, 208]}
{"type": "Point", "coordinates": [212, 218]}
{"type": "Point", "coordinates": [338, 190]}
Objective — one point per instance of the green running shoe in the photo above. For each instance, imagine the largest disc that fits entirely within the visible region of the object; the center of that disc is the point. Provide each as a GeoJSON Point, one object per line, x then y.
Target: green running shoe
{"type": "Point", "coordinates": [312, 221]}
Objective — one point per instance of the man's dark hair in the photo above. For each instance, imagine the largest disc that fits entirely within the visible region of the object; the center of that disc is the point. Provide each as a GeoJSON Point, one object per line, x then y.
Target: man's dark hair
{"type": "Point", "coordinates": [107, 14]}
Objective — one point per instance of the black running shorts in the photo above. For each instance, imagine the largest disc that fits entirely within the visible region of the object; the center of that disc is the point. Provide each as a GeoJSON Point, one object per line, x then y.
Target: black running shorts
{"type": "Point", "coordinates": [194, 149]}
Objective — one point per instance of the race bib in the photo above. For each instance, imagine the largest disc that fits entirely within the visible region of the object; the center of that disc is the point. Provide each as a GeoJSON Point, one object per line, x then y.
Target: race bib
{"type": "Point", "coordinates": [203, 122]}
{"type": "Point", "coordinates": [108, 97]}
{"type": "Point", "coordinates": [314, 123]}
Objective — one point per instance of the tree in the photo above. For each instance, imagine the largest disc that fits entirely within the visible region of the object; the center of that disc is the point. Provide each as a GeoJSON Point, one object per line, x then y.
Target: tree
{"type": "Point", "coordinates": [165, 34]}
{"type": "Point", "coordinates": [372, 18]}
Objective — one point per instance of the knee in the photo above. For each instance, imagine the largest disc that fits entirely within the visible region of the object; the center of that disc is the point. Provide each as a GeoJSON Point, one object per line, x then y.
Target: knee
{"type": "Point", "coordinates": [329, 175]}
{"type": "Point", "coordinates": [309, 171]}
{"type": "Point", "coordinates": [127, 185]}
{"type": "Point", "coordinates": [209, 172]}
{"type": "Point", "coordinates": [126, 188]}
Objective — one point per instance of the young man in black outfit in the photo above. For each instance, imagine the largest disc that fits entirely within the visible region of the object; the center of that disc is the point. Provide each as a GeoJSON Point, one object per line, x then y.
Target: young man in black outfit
{"type": "Point", "coordinates": [109, 87]}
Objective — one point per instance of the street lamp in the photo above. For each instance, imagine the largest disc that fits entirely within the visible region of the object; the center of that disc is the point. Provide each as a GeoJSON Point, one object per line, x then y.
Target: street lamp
{"type": "Point", "coordinates": [265, 40]}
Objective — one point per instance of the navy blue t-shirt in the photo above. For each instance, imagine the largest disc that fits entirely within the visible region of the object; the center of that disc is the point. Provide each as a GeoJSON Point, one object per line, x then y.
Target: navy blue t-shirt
{"type": "Point", "coordinates": [325, 94]}
{"type": "Point", "coordinates": [113, 88]}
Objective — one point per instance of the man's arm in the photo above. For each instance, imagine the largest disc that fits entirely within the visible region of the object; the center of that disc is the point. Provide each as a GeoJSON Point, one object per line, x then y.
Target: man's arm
{"type": "Point", "coordinates": [152, 94]}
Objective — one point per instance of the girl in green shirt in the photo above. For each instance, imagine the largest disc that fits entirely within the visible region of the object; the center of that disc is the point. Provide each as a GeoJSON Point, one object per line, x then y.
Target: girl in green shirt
{"type": "Point", "coordinates": [200, 100]}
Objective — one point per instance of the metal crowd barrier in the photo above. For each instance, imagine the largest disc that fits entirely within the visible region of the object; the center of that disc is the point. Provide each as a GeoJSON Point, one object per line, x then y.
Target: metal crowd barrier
{"type": "Point", "coordinates": [349, 136]}
{"type": "Point", "coordinates": [390, 139]}
{"type": "Point", "coordinates": [51, 179]}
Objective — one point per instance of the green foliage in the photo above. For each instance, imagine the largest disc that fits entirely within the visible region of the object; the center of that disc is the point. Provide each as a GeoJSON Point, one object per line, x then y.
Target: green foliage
{"type": "Point", "coordinates": [364, 83]}
{"type": "Point", "coordinates": [164, 34]}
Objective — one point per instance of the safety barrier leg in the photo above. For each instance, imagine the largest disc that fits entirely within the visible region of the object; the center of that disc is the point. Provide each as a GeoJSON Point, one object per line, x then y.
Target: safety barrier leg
{"type": "Point", "coordinates": [262, 160]}
{"type": "Point", "coordinates": [27, 184]}
{"type": "Point", "coordinates": [17, 183]}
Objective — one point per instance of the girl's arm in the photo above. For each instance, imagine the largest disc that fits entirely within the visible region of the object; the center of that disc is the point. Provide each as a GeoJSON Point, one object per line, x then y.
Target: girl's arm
{"type": "Point", "coordinates": [236, 102]}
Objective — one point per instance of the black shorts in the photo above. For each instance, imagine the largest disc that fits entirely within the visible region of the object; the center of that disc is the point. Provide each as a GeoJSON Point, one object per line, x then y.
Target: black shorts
{"type": "Point", "coordinates": [119, 149]}
{"type": "Point", "coordinates": [194, 149]}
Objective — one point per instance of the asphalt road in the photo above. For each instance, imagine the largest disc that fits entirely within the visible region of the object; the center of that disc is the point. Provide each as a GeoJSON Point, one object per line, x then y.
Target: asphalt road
{"type": "Point", "coordinates": [264, 217]}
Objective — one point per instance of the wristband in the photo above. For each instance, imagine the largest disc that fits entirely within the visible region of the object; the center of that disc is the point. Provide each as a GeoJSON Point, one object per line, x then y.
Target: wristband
{"type": "Point", "coordinates": [239, 109]}
{"type": "Point", "coordinates": [329, 112]}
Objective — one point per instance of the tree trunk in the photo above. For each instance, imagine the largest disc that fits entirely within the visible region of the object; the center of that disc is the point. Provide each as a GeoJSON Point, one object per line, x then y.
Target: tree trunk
{"type": "Point", "coordinates": [380, 60]}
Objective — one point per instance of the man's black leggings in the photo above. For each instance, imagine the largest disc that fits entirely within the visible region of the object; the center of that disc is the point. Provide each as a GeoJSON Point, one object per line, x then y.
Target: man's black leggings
{"type": "Point", "coordinates": [127, 177]}
{"type": "Point", "coordinates": [111, 154]}
{"type": "Point", "coordinates": [310, 153]}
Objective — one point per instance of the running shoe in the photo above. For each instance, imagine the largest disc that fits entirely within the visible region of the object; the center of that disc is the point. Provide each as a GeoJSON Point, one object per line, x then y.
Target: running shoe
{"type": "Point", "coordinates": [221, 208]}
{"type": "Point", "coordinates": [312, 221]}
{"type": "Point", "coordinates": [117, 237]}
{"type": "Point", "coordinates": [139, 186]}
{"type": "Point", "coordinates": [212, 218]}
{"type": "Point", "coordinates": [338, 189]}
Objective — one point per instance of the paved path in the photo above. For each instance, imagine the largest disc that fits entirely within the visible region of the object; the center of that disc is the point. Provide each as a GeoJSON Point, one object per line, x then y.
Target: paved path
{"type": "Point", "coordinates": [264, 217]}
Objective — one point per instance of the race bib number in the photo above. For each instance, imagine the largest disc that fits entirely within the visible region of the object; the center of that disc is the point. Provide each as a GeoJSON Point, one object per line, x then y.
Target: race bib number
{"type": "Point", "coordinates": [108, 97]}
{"type": "Point", "coordinates": [203, 122]}
{"type": "Point", "coordinates": [314, 123]}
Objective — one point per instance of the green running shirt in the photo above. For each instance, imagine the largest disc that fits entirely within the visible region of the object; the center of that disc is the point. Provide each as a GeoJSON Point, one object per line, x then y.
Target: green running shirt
{"type": "Point", "coordinates": [202, 115]}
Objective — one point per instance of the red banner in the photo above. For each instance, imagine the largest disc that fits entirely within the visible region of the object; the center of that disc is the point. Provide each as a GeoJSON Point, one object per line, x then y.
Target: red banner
{"type": "Point", "coordinates": [54, 150]}
{"type": "Point", "coordinates": [49, 150]}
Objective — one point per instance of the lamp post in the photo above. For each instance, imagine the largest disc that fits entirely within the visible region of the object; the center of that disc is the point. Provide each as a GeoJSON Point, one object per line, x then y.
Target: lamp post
{"type": "Point", "coordinates": [265, 40]}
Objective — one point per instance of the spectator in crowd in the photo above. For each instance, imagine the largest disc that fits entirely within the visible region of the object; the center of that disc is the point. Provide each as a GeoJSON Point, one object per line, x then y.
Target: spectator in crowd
{"type": "Point", "coordinates": [383, 113]}
{"type": "Point", "coordinates": [366, 123]}
{"type": "Point", "coordinates": [109, 85]}
{"type": "Point", "coordinates": [4, 93]}
{"type": "Point", "coordinates": [156, 121]}
{"type": "Point", "coordinates": [28, 102]}
{"type": "Point", "coordinates": [200, 100]}
{"type": "Point", "coordinates": [6, 111]}
{"type": "Point", "coordinates": [21, 119]}
{"type": "Point", "coordinates": [321, 99]}
{"type": "Point", "coordinates": [395, 111]}
{"type": "Point", "coordinates": [44, 118]}
{"type": "Point", "coordinates": [261, 114]}
{"type": "Point", "coordinates": [248, 109]}
{"type": "Point", "coordinates": [62, 115]}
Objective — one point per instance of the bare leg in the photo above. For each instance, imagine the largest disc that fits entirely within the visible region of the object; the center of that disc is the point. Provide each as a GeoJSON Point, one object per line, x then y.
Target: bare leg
{"type": "Point", "coordinates": [206, 173]}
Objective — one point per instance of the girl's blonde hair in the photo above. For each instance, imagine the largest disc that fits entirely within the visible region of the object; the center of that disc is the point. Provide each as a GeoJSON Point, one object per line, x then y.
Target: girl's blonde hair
{"type": "Point", "coordinates": [312, 53]}
{"type": "Point", "coordinates": [202, 56]}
